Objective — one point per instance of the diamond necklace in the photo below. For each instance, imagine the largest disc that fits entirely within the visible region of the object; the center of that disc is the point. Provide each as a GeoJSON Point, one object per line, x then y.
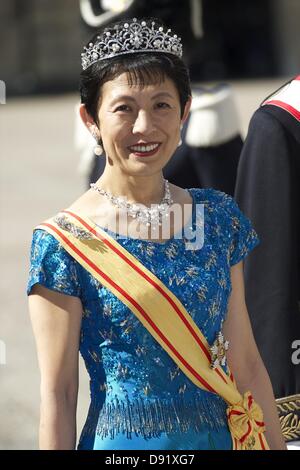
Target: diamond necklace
{"type": "Point", "coordinates": [146, 215]}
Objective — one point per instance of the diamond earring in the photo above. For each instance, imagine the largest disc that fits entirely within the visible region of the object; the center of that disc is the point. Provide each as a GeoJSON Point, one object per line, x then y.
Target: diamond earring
{"type": "Point", "coordinates": [180, 140]}
{"type": "Point", "coordinates": [98, 149]}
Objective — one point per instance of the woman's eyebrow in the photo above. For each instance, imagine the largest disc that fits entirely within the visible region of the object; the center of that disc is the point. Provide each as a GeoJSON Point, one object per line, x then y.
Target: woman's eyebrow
{"type": "Point", "coordinates": [161, 94]}
{"type": "Point", "coordinates": [122, 97]}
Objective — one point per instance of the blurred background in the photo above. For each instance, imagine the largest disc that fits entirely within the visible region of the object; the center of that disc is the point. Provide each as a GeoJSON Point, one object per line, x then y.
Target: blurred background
{"type": "Point", "coordinates": [252, 45]}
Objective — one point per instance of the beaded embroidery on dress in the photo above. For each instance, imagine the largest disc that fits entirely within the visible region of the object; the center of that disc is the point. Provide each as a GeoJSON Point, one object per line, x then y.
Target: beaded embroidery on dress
{"type": "Point", "coordinates": [138, 394]}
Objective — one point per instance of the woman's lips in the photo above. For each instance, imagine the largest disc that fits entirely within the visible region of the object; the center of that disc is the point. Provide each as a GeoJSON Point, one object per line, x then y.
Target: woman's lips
{"type": "Point", "coordinates": [139, 152]}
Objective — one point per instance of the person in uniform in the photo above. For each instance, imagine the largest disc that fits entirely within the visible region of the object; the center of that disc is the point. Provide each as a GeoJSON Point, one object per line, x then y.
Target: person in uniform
{"type": "Point", "coordinates": [268, 191]}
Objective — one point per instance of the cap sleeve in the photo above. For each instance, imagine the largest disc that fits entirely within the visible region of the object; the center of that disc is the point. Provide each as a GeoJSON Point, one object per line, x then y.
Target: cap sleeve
{"type": "Point", "coordinates": [242, 236]}
{"type": "Point", "coordinates": [51, 265]}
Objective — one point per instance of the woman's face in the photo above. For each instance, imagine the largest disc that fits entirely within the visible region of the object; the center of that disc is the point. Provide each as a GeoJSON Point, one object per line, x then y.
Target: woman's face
{"type": "Point", "coordinates": [140, 127]}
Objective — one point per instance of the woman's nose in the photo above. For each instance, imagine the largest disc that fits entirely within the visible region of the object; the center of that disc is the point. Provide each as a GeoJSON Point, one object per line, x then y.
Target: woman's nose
{"type": "Point", "coordinates": [143, 123]}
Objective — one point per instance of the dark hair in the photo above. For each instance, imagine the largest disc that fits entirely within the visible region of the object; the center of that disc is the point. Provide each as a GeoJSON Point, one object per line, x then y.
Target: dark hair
{"type": "Point", "coordinates": [142, 69]}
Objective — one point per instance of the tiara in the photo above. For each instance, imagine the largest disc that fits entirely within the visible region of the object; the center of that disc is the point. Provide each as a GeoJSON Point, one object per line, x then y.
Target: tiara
{"type": "Point", "coordinates": [131, 38]}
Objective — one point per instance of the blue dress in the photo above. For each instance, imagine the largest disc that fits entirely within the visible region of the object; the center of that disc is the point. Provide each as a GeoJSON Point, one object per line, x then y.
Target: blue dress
{"type": "Point", "coordinates": [140, 399]}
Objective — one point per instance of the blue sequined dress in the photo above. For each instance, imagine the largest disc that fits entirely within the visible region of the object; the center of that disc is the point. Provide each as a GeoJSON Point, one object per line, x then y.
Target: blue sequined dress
{"type": "Point", "coordinates": [140, 399]}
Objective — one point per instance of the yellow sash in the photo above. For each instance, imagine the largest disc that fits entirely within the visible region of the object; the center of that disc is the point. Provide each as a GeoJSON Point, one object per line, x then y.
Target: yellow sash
{"type": "Point", "coordinates": [162, 314]}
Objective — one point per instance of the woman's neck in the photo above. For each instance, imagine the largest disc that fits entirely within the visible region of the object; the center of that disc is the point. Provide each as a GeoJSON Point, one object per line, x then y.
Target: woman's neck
{"type": "Point", "coordinates": [145, 190]}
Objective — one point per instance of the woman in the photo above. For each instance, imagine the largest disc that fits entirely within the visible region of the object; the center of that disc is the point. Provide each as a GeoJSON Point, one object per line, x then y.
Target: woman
{"type": "Point", "coordinates": [146, 308]}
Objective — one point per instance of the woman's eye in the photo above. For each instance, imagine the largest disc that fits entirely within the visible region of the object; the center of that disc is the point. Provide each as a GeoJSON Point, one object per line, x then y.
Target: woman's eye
{"type": "Point", "coordinates": [122, 107]}
{"type": "Point", "coordinates": [163, 105]}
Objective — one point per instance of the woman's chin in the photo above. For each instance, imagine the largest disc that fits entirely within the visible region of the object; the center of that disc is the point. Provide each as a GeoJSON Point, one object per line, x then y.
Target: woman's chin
{"type": "Point", "coordinates": [139, 167]}
{"type": "Point", "coordinates": [143, 158]}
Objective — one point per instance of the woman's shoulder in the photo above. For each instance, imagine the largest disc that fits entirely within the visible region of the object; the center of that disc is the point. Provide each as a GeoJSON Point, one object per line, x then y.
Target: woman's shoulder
{"type": "Point", "coordinates": [211, 196]}
{"type": "Point", "coordinates": [229, 221]}
{"type": "Point", "coordinates": [51, 265]}
{"type": "Point", "coordinates": [44, 244]}
{"type": "Point", "coordinates": [221, 205]}
{"type": "Point", "coordinates": [42, 238]}
{"type": "Point", "coordinates": [43, 241]}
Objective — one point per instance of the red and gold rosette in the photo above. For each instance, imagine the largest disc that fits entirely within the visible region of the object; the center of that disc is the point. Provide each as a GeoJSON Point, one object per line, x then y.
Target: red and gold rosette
{"type": "Point", "coordinates": [245, 421]}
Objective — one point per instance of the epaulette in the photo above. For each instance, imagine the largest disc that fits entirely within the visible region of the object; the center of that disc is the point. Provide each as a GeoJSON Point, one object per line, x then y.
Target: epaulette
{"type": "Point", "coordinates": [287, 98]}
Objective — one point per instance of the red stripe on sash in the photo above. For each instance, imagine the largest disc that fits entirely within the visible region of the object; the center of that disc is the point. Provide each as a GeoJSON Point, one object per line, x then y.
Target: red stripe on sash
{"type": "Point", "coordinates": [250, 401]}
{"type": "Point", "coordinates": [152, 282]}
{"type": "Point", "coordinates": [261, 441]}
{"type": "Point", "coordinates": [139, 308]}
{"type": "Point", "coordinates": [219, 373]}
{"type": "Point", "coordinates": [147, 278]}
{"type": "Point", "coordinates": [290, 109]}
{"type": "Point", "coordinates": [235, 412]}
{"type": "Point", "coordinates": [244, 437]}
{"type": "Point", "coordinates": [260, 423]}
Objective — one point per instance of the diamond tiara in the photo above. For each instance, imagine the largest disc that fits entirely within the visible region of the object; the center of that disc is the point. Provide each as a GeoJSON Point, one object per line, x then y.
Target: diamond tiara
{"type": "Point", "coordinates": [131, 38]}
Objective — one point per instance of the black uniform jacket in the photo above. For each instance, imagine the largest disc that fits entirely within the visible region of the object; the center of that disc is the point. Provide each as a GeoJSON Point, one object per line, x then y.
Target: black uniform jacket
{"type": "Point", "coordinates": [268, 192]}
